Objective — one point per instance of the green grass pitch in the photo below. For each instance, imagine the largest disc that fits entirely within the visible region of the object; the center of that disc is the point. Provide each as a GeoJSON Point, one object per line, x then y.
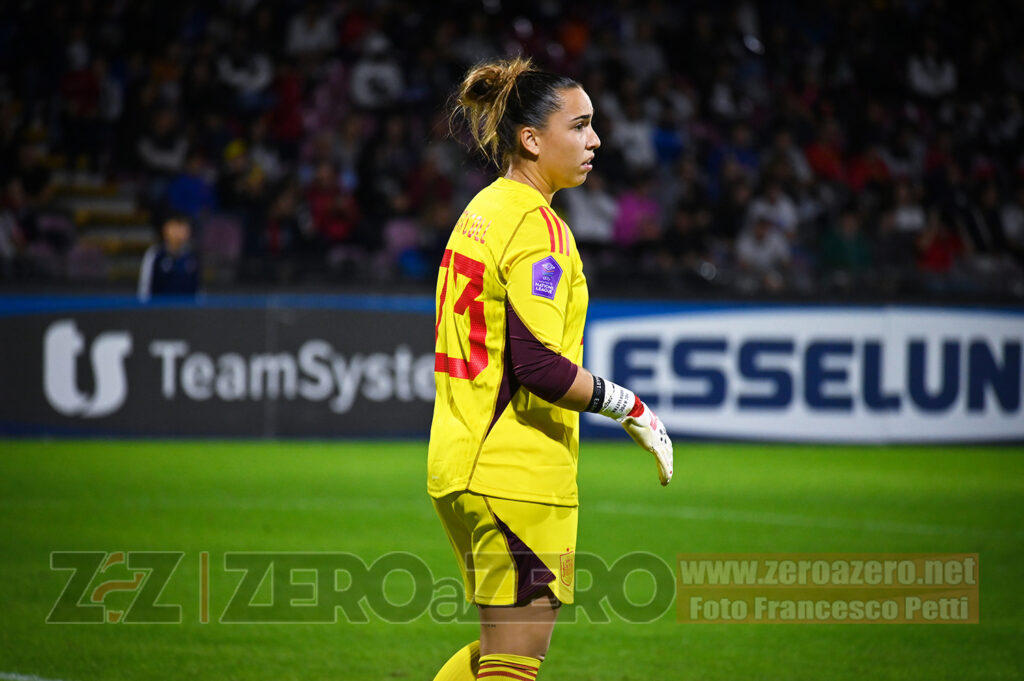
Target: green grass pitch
{"type": "Point", "coordinates": [367, 498]}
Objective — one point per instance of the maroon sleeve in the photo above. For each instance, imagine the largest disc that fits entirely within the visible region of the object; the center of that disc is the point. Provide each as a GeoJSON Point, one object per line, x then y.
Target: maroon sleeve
{"type": "Point", "coordinates": [538, 368]}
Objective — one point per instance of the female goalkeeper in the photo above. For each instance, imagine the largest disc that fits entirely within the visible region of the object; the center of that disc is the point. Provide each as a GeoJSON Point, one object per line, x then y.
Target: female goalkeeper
{"type": "Point", "coordinates": [511, 305]}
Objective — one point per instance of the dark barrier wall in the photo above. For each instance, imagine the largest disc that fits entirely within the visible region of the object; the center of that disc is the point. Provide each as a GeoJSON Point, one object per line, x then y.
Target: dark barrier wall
{"type": "Point", "coordinates": [229, 366]}
{"type": "Point", "coordinates": [326, 366]}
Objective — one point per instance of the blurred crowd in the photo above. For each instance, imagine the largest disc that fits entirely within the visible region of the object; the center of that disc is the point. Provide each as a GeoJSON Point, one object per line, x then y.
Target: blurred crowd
{"type": "Point", "coordinates": [810, 148]}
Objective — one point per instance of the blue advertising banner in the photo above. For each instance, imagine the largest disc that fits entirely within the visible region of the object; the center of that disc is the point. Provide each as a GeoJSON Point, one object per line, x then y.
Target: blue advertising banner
{"type": "Point", "coordinates": [818, 373]}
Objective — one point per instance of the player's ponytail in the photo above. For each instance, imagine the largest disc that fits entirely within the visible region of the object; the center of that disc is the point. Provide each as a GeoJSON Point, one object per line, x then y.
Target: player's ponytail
{"type": "Point", "coordinates": [498, 97]}
{"type": "Point", "coordinates": [483, 99]}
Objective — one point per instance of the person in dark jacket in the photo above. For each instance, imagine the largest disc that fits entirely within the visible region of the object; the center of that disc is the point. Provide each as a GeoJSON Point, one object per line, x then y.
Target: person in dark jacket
{"type": "Point", "coordinates": [170, 267]}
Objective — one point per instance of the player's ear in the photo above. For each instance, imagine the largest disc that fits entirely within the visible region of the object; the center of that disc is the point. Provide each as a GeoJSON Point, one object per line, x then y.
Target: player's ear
{"type": "Point", "coordinates": [529, 140]}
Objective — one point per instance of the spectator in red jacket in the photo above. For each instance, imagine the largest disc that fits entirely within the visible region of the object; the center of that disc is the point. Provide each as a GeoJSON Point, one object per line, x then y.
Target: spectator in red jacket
{"type": "Point", "coordinates": [334, 212]}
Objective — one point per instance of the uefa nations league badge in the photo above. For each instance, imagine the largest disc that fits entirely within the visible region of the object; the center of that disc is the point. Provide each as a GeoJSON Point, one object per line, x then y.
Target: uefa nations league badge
{"type": "Point", "coordinates": [546, 275]}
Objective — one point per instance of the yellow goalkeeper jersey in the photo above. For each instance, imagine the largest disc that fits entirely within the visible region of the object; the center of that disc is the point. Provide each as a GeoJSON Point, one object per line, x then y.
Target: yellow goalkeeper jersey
{"type": "Point", "coordinates": [489, 435]}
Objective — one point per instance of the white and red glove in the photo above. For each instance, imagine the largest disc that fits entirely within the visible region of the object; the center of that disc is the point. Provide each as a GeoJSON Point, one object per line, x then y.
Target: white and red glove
{"type": "Point", "coordinates": [642, 424]}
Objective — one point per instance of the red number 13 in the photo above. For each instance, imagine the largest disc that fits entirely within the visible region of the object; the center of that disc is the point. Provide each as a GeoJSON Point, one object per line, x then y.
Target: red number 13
{"type": "Point", "coordinates": [473, 270]}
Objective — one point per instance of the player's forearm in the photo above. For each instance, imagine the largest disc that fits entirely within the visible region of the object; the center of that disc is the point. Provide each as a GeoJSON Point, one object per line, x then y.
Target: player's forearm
{"type": "Point", "coordinates": [580, 392]}
{"type": "Point", "coordinates": [554, 377]}
{"type": "Point", "coordinates": [580, 395]}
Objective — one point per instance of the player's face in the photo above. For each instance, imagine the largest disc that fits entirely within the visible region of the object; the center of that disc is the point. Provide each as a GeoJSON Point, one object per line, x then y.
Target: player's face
{"type": "Point", "coordinates": [568, 141]}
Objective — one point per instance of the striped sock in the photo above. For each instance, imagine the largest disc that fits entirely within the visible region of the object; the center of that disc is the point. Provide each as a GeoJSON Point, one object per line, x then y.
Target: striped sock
{"type": "Point", "coordinates": [462, 665]}
{"type": "Point", "coordinates": [499, 667]}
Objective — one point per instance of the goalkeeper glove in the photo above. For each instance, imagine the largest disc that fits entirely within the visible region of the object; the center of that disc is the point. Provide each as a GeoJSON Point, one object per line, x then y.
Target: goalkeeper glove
{"type": "Point", "coordinates": [639, 421]}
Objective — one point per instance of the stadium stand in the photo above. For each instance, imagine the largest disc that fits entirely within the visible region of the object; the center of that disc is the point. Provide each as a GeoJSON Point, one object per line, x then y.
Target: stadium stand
{"type": "Point", "coordinates": [840, 150]}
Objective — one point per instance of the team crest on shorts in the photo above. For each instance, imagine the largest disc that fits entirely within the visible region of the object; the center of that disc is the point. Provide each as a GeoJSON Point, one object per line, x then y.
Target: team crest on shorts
{"type": "Point", "coordinates": [567, 565]}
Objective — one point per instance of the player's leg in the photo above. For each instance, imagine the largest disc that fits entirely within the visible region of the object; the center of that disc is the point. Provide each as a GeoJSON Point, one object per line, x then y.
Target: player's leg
{"type": "Point", "coordinates": [463, 665]}
{"type": "Point", "coordinates": [516, 559]}
{"type": "Point", "coordinates": [521, 630]}
{"type": "Point", "coordinates": [515, 639]}
{"type": "Point", "coordinates": [523, 577]}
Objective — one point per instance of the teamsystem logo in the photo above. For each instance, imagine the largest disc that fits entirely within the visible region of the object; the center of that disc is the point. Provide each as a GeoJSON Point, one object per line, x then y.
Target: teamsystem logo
{"type": "Point", "coordinates": [315, 372]}
{"type": "Point", "coordinates": [62, 346]}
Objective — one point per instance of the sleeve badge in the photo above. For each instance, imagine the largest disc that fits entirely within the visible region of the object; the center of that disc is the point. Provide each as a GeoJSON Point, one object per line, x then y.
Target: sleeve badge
{"type": "Point", "coordinates": [546, 275]}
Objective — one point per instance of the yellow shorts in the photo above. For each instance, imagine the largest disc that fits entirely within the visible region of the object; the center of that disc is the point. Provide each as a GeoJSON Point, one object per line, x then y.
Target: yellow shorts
{"type": "Point", "coordinates": [510, 551]}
